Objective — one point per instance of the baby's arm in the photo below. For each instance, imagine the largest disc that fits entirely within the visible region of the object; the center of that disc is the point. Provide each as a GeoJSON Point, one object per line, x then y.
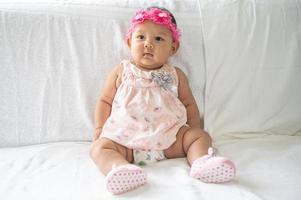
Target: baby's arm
{"type": "Point", "coordinates": [186, 97]}
{"type": "Point", "coordinates": [104, 102]}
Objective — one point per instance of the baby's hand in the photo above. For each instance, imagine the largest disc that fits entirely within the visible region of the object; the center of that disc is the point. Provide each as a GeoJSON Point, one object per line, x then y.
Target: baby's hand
{"type": "Point", "coordinates": [97, 133]}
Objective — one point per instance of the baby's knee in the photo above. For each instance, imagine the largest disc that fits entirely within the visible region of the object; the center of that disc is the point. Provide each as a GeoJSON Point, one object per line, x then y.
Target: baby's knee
{"type": "Point", "coordinates": [197, 133]}
{"type": "Point", "coordinates": [194, 134]}
{"type": "Point", "coordinates": [205, 135]}
{"type": "Point", "coordinates": [99, 145]}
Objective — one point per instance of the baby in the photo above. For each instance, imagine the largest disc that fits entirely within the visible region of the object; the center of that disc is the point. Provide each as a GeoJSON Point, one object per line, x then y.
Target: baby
{"type": "Point", "coordinates": [147, 113]}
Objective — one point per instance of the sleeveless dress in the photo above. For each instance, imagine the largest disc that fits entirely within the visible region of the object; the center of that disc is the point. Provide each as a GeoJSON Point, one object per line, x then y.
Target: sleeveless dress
{"type": "Point", "coordinates": [146, 112]}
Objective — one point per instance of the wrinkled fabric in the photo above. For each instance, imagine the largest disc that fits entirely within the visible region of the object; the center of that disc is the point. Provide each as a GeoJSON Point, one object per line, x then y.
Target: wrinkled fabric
{"type": "Point", "coordinates": [268, 168]}
{"type": "Point", "coordinates": [253, 66]}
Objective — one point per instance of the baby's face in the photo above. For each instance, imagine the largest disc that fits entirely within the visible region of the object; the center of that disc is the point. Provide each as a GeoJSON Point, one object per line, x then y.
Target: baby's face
{"type": "Point", "coordinates": [151, 45]}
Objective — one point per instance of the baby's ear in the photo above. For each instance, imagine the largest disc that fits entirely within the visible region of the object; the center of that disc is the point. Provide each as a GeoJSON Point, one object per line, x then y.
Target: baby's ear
{"type": "Point", "coordinates": [174, 48]}
{"type": "Point", "coordinates": [128, 42]}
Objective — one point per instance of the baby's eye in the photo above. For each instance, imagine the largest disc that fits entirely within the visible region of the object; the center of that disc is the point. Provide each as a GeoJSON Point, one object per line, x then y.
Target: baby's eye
{"type": "Point", "coordinates": [140, 37]}
{"type": "Point", "coordinates": [158, 38]}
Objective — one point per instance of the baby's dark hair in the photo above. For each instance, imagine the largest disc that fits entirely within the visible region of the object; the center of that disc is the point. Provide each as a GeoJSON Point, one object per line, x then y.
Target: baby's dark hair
{"type": "Point", "coordinates": [173, 19]}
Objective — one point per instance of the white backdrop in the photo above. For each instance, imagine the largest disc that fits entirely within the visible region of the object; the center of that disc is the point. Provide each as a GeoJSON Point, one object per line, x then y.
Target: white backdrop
{"type": "Point", "coordinates": [54, 56]}
{"type": "Point", "coordinates": [253, 66]}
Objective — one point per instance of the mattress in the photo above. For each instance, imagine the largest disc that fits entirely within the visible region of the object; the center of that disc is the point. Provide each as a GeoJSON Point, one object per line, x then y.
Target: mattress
{"type": "Point", "coordinates": [268, 168]}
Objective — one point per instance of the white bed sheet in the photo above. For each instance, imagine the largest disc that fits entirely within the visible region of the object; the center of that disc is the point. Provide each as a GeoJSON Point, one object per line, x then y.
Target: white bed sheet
{"type": "Point", "coordinates": [268, 168]}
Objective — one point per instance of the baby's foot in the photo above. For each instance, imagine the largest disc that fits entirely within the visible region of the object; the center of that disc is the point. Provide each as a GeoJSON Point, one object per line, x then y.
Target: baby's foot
{"type": "Point", "coordinates": [212, 169]}
{"type": "Point", "coordinates": [125, 178]}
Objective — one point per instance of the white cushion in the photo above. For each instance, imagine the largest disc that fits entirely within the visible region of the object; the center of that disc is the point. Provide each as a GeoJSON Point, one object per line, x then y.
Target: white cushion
{"type": "Point", "coordinates": [253, 66]}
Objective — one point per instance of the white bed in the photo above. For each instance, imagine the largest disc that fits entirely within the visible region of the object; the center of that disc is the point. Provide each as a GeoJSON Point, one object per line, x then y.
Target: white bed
{"type": "Point", "coordinates": [243, 61]}
{"type": "Point", "coordinates": [267, 168]}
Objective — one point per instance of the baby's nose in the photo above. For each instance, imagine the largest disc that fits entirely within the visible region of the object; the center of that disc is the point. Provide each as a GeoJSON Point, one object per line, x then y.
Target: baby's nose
{"type": "Point", "coordinates": [148, 45]}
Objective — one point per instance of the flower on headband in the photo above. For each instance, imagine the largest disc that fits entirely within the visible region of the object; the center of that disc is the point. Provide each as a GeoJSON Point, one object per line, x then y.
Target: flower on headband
{"type": "Point", "coordinates": [157, 16]}
{"type": "Point", "coordinates": [139, 16]}
{"type": "Point", "coordinates": [162, 14]}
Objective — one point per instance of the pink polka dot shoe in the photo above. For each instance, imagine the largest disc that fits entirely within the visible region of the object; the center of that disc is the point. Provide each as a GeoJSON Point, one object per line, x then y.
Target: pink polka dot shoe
{"type": "Point", "coordinates": [212, 169]}
{"type": "Point", "coordinates": [125, 178]}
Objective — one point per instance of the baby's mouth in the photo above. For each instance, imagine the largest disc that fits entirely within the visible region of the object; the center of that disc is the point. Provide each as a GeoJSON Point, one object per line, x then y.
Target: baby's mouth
{"type": "Point", "coordinates": [148, 55]}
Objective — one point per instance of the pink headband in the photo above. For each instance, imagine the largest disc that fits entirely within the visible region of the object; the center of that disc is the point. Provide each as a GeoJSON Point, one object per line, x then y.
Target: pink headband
{"type": "Point", "coordinates": [158, 16]}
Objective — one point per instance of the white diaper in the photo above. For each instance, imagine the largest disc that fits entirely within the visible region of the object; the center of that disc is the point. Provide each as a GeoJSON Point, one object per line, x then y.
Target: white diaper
{"type": "Point", "coordinates": [142, 157]}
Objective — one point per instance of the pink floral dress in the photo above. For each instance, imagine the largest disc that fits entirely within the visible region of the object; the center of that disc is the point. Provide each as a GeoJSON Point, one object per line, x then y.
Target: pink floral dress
{"type": "Point", "coordinates": [146, 112]}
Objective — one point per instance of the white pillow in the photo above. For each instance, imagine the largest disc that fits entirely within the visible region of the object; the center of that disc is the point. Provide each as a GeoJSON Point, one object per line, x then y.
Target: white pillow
{"type": "Point", "coordinates": [253, 66]}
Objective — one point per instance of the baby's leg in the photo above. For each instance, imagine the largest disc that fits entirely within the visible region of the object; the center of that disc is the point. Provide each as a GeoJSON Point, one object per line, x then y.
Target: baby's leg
{"type": "Point", "coordinates": [106, 154]}
{"type": "Point", "coordinates": [197, 143]}
{"type": "Point", "coordinates": [191, 142]}
{"type": "Point", "coordinates": [113, 160]}
{"type": "Point", "coordinates": [205, 166]}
